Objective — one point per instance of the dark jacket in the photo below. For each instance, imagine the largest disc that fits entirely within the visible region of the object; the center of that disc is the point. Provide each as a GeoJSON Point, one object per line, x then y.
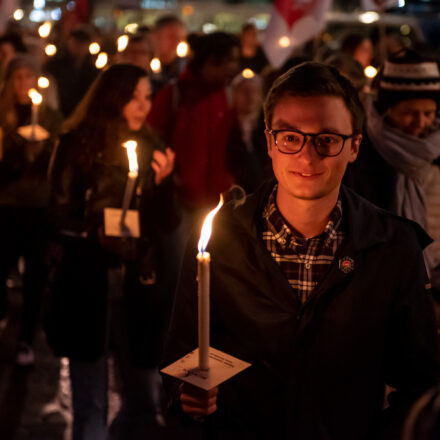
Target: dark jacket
{"type": "Point", "coordinates": [78, 319]}
{"type": "Point", "coordinates": [318, 371]}
{"type": "Point", "coordinates": [372, 177]}
{"type": "Point", "coordinates": [24, 165]}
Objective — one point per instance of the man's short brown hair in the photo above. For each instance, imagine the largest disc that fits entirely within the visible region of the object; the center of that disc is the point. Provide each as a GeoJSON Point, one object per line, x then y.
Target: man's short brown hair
{"type": "Point", "coordinates": [315, 79]}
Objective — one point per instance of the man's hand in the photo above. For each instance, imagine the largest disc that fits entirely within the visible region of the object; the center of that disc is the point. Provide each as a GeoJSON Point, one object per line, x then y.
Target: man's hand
{"type": "Point", "coordinates": [162, 164]}
{"type": "Point", "coordinates": [197, 402]}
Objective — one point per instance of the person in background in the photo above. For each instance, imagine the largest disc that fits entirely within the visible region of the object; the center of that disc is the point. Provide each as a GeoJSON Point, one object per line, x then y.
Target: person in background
{"type": "Point", "coordinates": [11, 44]}
{"type": "Point", "coordinates": [251, 53]}
{"type": "Point", "coordinates": [194, 117]}
{"type": "Point", "coordinates": [169, 31]}
{"type": "Point", "coordinates": [397, 168]}
{"type": "Point", "coordinates": [138, 52]}
{"type": "Point", "coordinates": [244, 161]}
{"type": "Point", "coordinates": [73, 69]}
{"type": "Point", "coordinates": [351, 69]}
{"type": "Point", "coordinates": [359, 47]}
{"type": "Point", "coordinates": [105, 293]}
{"type": "Point", "coordinates": [24, 196]}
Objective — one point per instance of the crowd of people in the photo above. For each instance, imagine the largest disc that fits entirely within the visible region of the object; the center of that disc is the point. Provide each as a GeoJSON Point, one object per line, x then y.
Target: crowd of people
{"type": "Point", "coordinates": [324, 292]}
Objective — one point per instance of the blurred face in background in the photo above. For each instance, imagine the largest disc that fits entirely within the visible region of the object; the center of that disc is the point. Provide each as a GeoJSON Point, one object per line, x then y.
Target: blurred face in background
{"type": "Point", "coordinates": [167, 40]}
{"type": "Point", "coordinates": [249, 38]}
{"type": "Point", "coordinates": [137, 109]}
{"type": "Point", "coordinates": [23, 79]}
{"type": "Point", "coordinates": [222, 71]}
{"type": "Point", "coordinates": [248, 97]}
{"type": "Point", "coordinates": [138, 53]}
{"type": "Point", "coordinates": [363, 53]}
{"type": "Point", "coordinates": [7, 52]}
{"type": "Point", "coordinates": [413, 116]}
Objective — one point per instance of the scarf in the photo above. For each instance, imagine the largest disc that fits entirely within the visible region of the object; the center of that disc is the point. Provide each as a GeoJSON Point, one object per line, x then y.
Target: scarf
{"type": "Point", "coordinates": [412, 158]}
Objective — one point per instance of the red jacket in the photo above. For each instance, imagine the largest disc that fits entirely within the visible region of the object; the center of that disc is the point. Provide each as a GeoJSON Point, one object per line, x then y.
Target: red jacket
{"type": "Point", "coordinates": [194, 118]}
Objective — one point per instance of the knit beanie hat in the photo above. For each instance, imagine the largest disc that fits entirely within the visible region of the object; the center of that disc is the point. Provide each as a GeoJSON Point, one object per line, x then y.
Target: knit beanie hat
{"type": "Point", "coordinates": [409, 76]}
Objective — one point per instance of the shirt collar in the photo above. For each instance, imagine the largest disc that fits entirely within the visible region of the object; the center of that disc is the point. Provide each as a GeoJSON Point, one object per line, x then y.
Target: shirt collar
{"type": "Point", "coordinates": [286, 236]}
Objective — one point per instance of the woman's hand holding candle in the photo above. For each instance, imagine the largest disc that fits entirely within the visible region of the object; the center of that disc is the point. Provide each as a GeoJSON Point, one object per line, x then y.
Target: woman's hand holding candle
{"type": "Point", "coordinates": [197, 402]}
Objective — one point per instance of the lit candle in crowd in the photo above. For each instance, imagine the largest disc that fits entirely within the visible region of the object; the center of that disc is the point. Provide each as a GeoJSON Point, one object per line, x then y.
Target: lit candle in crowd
{"type": "Point", "coordinates": [182, 49]}
{"type": "Point", "coordinates": [37, 99]}
{"type": "Point", "coordinates": [43, 82]}
{"type": "Point", "coordinates": [50, 50]}
{"type": "Point", "coordinates": [247, 73]}
{"type": "Point", "coordinates": [132, 177]}
{"type": "Point", "coordinates": [94, 48]}
{"type": "Point", "coordinates": [155, 65]}
{"type": "Point", "coordinates": [122, 43]}
{"type": "Point", "coordinates": [203, 262]}
{"type": "Point", "coordinates": [44, 29]}
{"type": "Point", "coordinates": [101, 61]}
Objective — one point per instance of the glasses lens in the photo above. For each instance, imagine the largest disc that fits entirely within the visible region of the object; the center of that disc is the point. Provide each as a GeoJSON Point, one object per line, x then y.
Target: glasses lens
{"type": "Point", "coordinates": [289, 141]}
{"type": "Point", "coordinates": [329, 144]}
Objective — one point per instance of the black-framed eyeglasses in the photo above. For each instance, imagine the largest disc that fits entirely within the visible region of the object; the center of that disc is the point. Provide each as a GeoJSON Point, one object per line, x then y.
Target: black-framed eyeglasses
{"type": "Point", "coordinates": [293, 141]}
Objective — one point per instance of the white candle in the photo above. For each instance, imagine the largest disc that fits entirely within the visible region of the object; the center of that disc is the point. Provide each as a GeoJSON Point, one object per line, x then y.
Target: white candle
{"type": "Point", "coordinates": [37, 99]}
{"type": "Point", "coordinates": [203, 275]}
{"type": "Point", "coordinates": [132, 177]}
{"type": "Point", "coordinates": [203, 260]}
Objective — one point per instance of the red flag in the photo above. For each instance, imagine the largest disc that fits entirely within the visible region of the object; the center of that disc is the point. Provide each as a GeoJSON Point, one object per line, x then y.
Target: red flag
{"type": "Point", "coordinates": [292, 23]}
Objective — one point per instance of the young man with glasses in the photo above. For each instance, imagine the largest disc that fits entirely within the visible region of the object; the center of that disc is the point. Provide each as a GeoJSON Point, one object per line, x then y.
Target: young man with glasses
{"type": "Point", "coordinates": [323, 293]}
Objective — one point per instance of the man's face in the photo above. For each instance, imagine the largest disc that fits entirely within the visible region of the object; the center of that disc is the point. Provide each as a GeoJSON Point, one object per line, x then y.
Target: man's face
{"type": "Point", "coordinates": [412, 116]}
{"type": "Point", "coordinates": [222, 71]}
{"type": "Point", "coordinates": [307, 175]}
{"type": "Point", "coordinates": [167, 40]}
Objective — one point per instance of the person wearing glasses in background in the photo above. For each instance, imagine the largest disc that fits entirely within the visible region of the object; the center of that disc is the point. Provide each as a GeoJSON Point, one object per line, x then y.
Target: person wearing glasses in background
{"type": "Point", "coordinates": [323, 293]}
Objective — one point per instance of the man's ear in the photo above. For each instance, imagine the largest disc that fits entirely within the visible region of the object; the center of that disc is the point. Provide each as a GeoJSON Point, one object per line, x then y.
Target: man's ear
{"type": "Point", "coordinates": [354, 149]}
{"type": "Point", "coordinates": [269, 138]}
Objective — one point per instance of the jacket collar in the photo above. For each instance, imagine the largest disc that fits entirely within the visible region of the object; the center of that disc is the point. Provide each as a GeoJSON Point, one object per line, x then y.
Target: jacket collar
{"type": "Point", "coordinates": [366, 224]}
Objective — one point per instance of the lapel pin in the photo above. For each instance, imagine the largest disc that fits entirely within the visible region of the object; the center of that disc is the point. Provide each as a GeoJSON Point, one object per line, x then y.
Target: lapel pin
{"type": "Point", "coordinates": [346, 264]}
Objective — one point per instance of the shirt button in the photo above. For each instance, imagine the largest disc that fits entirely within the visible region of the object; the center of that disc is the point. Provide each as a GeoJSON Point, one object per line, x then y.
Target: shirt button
{"type": "Point", "coordinates": [308, 265]}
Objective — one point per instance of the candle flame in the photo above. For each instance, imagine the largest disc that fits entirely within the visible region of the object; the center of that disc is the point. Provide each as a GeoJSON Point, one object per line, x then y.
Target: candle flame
{"type": "Point", "coordinates": [35, 97]}
{"type": "Point", "coordinates": [94, 48]}
{"type": "Point", "coordinates": [155, 65]}
{"type": "Point", "coordinates": [207, 227]}
{"type": "Point", "coordinates": [44, 29]}
{"type": "Point", "coordinates": [50, 50]}
{"type": "Point", "coordinates": [132, 157]}
{"type": "Point", "coordinates": [122, 43]}
{"type": "Point", "coordinates": [101, 61]}
{"type": "Point", "coordinates": [43, 82]}
{"type": "Point", "coordinates": [182, 49]}
{"type": "Point", "coordinates": [370, 71]}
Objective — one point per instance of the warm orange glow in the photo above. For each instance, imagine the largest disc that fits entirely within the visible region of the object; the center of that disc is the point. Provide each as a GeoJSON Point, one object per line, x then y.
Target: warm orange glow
{"type": "Point", "coordinates": [207, 227]}
{"type": "Point", "coordinates": [132, 157]}
{"type": "Point", "coordinates": [35, 96]}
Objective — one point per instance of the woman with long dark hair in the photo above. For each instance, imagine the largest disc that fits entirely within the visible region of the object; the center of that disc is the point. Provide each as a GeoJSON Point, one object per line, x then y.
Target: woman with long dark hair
{"type": "Point", "coordinates": [105, 292]}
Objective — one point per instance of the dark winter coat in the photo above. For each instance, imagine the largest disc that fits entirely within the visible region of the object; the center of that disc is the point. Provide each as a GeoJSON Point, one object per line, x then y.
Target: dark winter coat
{"type": "Point", "coordinates": [319, 370]}
{"type": "Point", "coordinates": [78, 319]}
{"type": "Point", "coordinates": [24, 165]}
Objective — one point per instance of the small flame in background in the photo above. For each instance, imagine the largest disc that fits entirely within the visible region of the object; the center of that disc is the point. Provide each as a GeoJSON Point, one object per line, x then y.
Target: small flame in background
{"type": "Point", "coordinates": [207, 227]}
{"type": "Point", "coordinates": [122, 43]}
{"type": "Point", "coordinates": [35, 96]}
{"type": "Point", "coordinates": [94, 48]}
{"type": "Point", "coordinates": [43, 82]}
{"type": "Point", "coordinates": [132, 157]}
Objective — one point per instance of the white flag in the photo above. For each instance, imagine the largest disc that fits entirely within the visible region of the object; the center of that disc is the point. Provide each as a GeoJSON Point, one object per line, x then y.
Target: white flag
{"type": "Point", "coordinates": [292, 23]}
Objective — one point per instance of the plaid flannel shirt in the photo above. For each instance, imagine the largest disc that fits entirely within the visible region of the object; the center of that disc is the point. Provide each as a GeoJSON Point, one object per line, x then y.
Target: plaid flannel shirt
{"type": "Point", "coordinates": [303, 261]}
